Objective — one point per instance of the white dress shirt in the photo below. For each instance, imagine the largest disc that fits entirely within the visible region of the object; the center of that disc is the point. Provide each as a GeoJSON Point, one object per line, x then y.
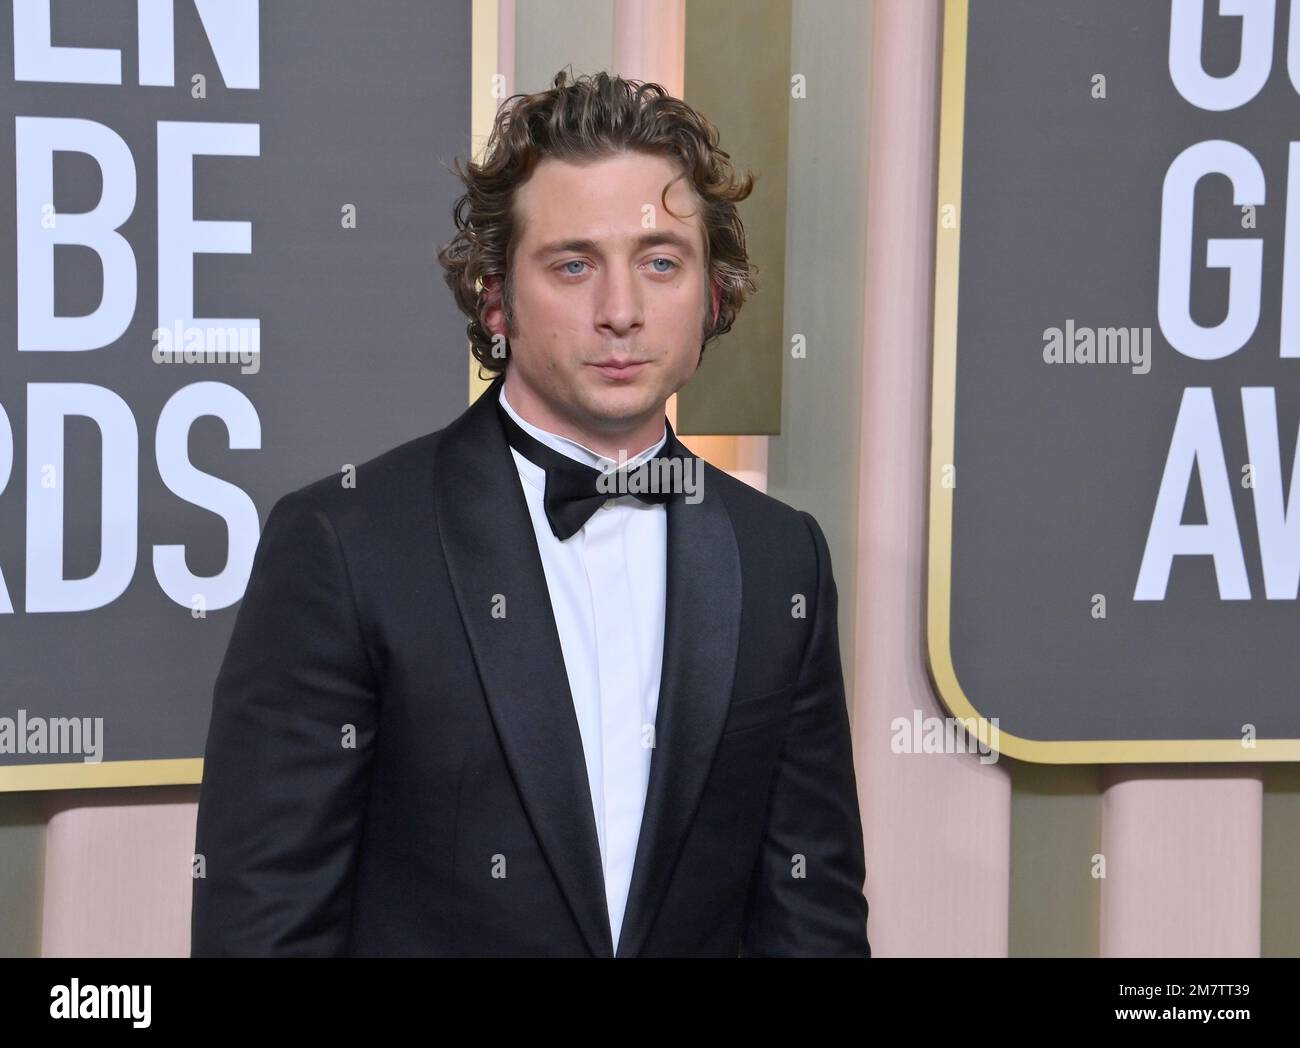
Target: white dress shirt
{"type": "Point", "coordinates": [607, 584]}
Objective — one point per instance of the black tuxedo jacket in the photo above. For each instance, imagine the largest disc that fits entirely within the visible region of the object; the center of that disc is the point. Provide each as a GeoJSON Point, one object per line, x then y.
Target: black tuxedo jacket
{"type": "Point", "coordinates": [394, 765]}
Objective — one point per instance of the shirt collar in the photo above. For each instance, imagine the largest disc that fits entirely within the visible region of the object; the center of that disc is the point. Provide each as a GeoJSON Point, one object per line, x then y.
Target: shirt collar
{"type": "Point", "coordinates": [570, 448]}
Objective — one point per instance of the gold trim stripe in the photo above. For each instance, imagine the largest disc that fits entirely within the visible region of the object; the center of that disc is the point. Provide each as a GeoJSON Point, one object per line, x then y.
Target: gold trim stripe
{"type": "Point", "coordinates": [182, 771]}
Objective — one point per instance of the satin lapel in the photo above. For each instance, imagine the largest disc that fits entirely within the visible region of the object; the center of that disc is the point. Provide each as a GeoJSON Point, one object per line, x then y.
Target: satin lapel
{"type": "Point", "coordinates": [496, 573]}
{"type": "Point", "coordinates": [701, 636]}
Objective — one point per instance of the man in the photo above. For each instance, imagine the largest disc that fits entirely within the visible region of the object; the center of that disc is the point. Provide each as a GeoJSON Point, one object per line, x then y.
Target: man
{"type": "Point", "coordinates": [484, 702]}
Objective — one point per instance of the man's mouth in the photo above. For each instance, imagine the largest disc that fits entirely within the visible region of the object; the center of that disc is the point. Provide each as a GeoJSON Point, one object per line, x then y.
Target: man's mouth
{"type": "Point", "coordinates": [617, 369]}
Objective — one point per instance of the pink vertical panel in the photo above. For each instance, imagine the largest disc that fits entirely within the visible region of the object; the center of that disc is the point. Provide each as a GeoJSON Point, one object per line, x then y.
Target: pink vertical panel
{"type": "Point", "coordinates": [118, 878]}
{"type": "Point", "coordinates": [506, 44]}
{"type": "Point", "coordinates": [937, 826]}
{"type": "Point", "coordinates": [650, 41]}
{"type": "Point", "coordinates": [1182, 847]}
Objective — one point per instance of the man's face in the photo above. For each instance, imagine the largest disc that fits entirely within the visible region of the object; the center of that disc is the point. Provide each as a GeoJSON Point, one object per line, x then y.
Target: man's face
{"type": "Point", "coordinates": [603, 274]}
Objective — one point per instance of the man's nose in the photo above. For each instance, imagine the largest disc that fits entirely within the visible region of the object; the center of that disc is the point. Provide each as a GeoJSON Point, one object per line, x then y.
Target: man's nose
{"type": "Point", "coordinates": [618, 304]}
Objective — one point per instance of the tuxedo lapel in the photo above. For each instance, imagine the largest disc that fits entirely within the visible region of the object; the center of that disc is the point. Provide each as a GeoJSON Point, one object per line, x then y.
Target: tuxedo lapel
{"type": "Point", "coordinates": [496, 573]}
{"type": "Point", "coordinates": [500, 587]}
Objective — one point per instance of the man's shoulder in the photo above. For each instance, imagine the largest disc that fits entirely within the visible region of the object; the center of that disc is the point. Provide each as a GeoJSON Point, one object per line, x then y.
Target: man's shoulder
{"type": "Point", "coordinates": [750, 507]}
{"type": "Point", "coordinates": [388, 482]}
{"type": "Point", "coordinates": [773, 530]}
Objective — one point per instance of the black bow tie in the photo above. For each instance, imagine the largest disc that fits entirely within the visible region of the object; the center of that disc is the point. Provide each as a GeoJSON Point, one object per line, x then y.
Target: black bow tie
{"type": "Point", "coordinates": [572, 493]}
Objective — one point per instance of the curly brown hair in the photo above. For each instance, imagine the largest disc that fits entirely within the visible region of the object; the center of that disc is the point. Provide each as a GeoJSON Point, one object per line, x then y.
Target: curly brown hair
{"type": "Point", "coordinates": [590, 118]}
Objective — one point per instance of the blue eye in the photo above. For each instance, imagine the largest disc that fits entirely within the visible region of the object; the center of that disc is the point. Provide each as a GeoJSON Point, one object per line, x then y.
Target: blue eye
{"type": "Point", "coordinates": [670, 263]}
{"type": "Point", "coordinates": [573, 262]}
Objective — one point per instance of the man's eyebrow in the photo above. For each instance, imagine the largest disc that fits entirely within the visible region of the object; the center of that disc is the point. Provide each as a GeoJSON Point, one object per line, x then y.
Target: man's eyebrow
{"type": "Point", "coordinates": [659, 238]}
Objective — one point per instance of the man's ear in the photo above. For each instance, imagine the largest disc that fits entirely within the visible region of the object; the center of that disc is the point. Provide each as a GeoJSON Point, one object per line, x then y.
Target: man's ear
{"type": "Point", "coordinates": [494, 318]}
